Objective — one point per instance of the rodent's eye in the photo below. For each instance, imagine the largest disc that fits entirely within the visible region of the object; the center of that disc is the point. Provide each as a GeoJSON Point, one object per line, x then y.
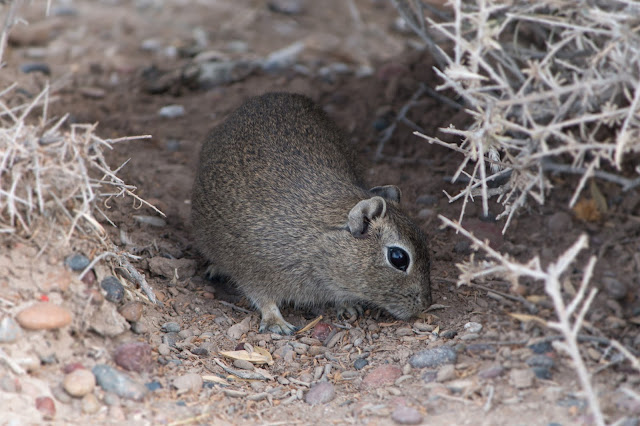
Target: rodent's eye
{"type": "Point", "coordinates": [398, 258]}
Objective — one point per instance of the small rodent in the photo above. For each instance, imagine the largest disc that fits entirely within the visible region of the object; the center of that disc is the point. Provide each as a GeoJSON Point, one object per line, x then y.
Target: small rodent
{"type": "Point", "coordinates": [279, 207]}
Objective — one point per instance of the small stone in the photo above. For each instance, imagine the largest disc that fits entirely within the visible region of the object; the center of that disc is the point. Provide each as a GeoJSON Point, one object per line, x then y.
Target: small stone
{"type": "Point", "coordinates": [427, 200]}
{"type": "Point", "coordinates": [406, 415]}
{"type": "Point", "coordinates": [36, 67]}
{"type": "Point", "coordinates": [131, 311]}
{"type": "Point", "coordinates": [449, 334]}
{"type": "Point", "coordinates": [381, 376]}
{"type": "Point", "coordinates": [153, 386]}
{"type": "Point", "coordinates": [113, 289]}
{"type": "Point", "coordinates": [236, 331]}
{"type": "Point", "coordinates": [77, 262]}
{"type": "Point", "coordinates": [321, 331]}
{"type": "Point", "coordinates": [46, 406]}
{"type": "Point", "coordinates": [559, 222]}
{"type": "Point", "coordinates": [79, 382]}
{"type": "Point", "coordinates": [320, 393]}
{"type": "Point", "coordinates": [10, 331]}
{"type": "Point", "coordinates": [243, 365]}
{"type": "Point", "coordinates": [522, 379]}
{"type": "Point", "coordinates": [134, 356]}
{"type": "Point", "coordinates": [541, 347]}
{"type": "Point", "coordinates": [434, 357]}
{"type": "Point", "coordinates": [469, 336]}
{"type": "Point", "coordinates": [171, 339]}
{"type": "Point", "coordinates": [171, 111]}
{"type": "Point", "coordinates": [90, 404]}
{"type": "Point", "coordinates": [360, 363]}
{"type": "Point", "coordinates": [540, 361]}
{"type": "Point", "coordinates": [200, 351]}
{"type": "Point", "coordinates": [543, 373]}
{"type": "Point", "coordinates": [70, 368]}
{"type": "Point", "coordinates": [170, 327]}
{"type": "Point", "coordinates": [111, 399]}
{"type": "Point", "coordinates": [164, 349]}
{"type": "Point", "coordinates": [185, 334]}
{"type": "Point", "coordinates": [491, 372]}
{"type": "Point", "coordinates": [60, 394]}
{"type": "Point", "coordinates": [139, 328]}
{"type": "Point", "coordinates": [405, 331]}
{"type": "Point", "coordinates": [111, 380]}
{"type": "Point", "coordinates": [615, 289]}
{"type": "Point", "coordinates": [286, 7]}
{"type": "Point", "coordinates": [168, 268]}
{"type": "Point", "coordinates": [190, 382]}
{"type": "Point", "coordinates": [43, 316]}
{"type": "Point", "coordinates": [473, 327]}
{"type": "Point", "coordinates": [446, 373]}
{"type": "Point", "coordinates": [106, 321]}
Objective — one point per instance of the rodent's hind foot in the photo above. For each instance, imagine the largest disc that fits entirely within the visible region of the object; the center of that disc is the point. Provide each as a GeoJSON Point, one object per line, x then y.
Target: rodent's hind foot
{"type": "Point", "coordinates": [272, 321]}
{"type": "Point", "coordinates": [349, 312]}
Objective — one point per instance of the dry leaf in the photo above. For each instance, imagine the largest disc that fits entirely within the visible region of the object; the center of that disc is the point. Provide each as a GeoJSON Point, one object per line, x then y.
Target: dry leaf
{"type": "Point", "coordinates": [536, 298]}
{"type": "Point", "coordinates": [255, 357]}
{"type": "Point", "coordinates": [587, 210]}
{"type": "Point", "coordinates": [598, 198]}
{"type": "Point", "coordinates": [215, 379]}
{"type": "Point", "coordinates": [310, 325]}
{"type": "Point", "coordinates": [527, 318]}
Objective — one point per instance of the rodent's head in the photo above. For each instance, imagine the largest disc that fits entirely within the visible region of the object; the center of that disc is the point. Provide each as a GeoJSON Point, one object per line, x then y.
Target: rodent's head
{"type": "Point", "coordinates": [383, 256]}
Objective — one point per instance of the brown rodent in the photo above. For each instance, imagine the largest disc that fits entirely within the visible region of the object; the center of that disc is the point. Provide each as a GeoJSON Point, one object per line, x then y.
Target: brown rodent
{"type": "Point", "coordinates": [279, 207]}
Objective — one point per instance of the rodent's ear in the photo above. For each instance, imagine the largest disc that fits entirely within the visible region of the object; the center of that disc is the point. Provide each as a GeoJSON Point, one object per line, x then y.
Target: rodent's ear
{"type": "Point", "coordinates": [363, 213]}
{"type": "Point", "coordinates": [388, 192]}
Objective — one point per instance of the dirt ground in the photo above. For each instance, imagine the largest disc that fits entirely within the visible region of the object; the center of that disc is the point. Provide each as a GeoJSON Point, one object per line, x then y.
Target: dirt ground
{"type": "Point", "coordinates": [117, 63]}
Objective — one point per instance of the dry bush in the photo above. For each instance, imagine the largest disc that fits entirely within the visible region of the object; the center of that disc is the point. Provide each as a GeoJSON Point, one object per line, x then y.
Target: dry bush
{"type": "Point", "coordinates": [552, 85]}
{"type": "Point", "coordinates": [53, 177]}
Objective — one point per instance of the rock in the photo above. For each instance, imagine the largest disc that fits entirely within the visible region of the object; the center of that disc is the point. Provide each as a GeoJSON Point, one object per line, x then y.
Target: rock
{"type": "Point", "coordinates": [190, 382]}
{"type": "Point", "coordinates": [320, 393]}
{"type": "Point", "coordinates": [615, 289]}
{"type": "Point", "coordinates": [46, 406]}
{"type": "Point", "coordinates": [446, 373]}
{"type": "Point", "coordinates": [131, 311]}
{"type": "Point", "coordinates": [203, 352]}
{"type": "Point", "coordinates": [164, 349]}
{"type": "Point", "coordinates": [427, 200]}
{"type": "Point", "coordinates": [106, 321]}
{"type": "Point", "coordinates": [77, 262]}
{"type": "Point", "coordinates": [540, 361]}
{"type": "Point", "coordinates": [90, 404]}
{"type": "Point", "coordinates": [473, 327]}
{"type": "Point", "coordinates": [543, 373]}
{"type": "Point", "coordinates": [236, 331]}
{"type": "Point", "coordinates": [286, 7]}
{"type": "Point", "coordinates": [111, 380]}
{"type": "Point", "coordinates": [134, 356]}
{"type": "Point", "coordinates": [10, 331]}
{"type": "Point", "coordinates": [171, 339]}
{"type": "Point", "coordinates": [449, 334]}
{"type": "Point", "coordinates": [36, 67]}
{"type": "Point", "coordinates": [559, 222]}
{"type": "Point", "coordinates": [491, 372]}
{"type": "Point", "coordinates": [406, 415]}
{"type": "Point", "coordinates": [153, 386]}
{"type": "Point", "coordinates": [170, 327]}
{"type": "Point", "coordinates": [469, 336]}
{"type": "Point", "coordinates": [139, 328]}
{"type": "Point", "coordinates": [404, 331]}
{"type": "Point", "coordinates": [522, 378]}
{"type": "Point", "coordinates": [186, 268]}
{"type": "Point", "coordinates": [381, 376]}
{"type": "Point", "coordinates": [79, 382]}
{"type": "Point", "coordinates": [171, 111]}
{"type": "Point", "coordinates": [43, 316]}
{"type": "Point", "coordinates": [360, 363]}
{"type": "Point", "coordinates": [321, 331]}
{"type": "Point", "coordinates": [243, 365]}
{"type": "Point", "coordinates": [216, 73]}
{"type": "Point", "coordinates": [434, 357]}
{"type": "Point", "coordinates": [70, 368]}
{"type": "Point", "coordinates": [541, 347]}
{"type": "Point", "coordinates": [113, 288]}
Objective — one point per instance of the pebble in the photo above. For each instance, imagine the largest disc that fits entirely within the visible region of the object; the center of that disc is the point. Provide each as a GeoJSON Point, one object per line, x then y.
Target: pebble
{"type": "Point", "coordinates": [153, 386]}
{"type": "Point", "coordinates": [320, 393]}
{"type": "Point", "coordinates": [36, 67]}
{"type": "Point", "coordinates": [522, 378]}
{"type": "Point", "coordinates": [321, 331]}
{"type": "Point", "coordinates": [473, 327]}
{"type": "Point", "coordinates": [405, 331]}
{"type": "Point", "coordinates": [236, 331]}
{"type": "Point", "coordinates": [46, 406]}
{"type": "Point", "coordinates": [360, 363]}
{"type": "Point", "coordinates": [449, 334]}
{"type": "Point", "coordinates": [111, 380]}
{"type": "Point", "coordinates": [170, 327]}
{"type": "Point", "coordinates": [60, 394]}
{"type": "Point", "coordinates": [90, 404]}
{"type": "Point", "coordinates": [139, 328]}
{"type": "Point", "coordinates": [540, 361]}
{"type": "Point", "coordinates": [427, 200]}
{"type": "Point", "coordinates": [131, 311]}
{"type": "Point", "coordinates": [541, 347]}
{"type": "Point", "coordinates": [243, 364]}
{"type": "Point", "coordinates": [380, 376]}
{"type": "Point", "coordinates": [491, 372]}
{"type": "Point", "coordinates": [164, 349]}
{"type": "Point", "coordinates": [470, 336]}
{"type": "Point", "coordinates": [203, 352]}
{"type": "Point", "coordinates": [434, 357]}
{"type": "Point", "coordinates": [286, 7]}
{"type": "Point", "coordinates": [171, 111]}
{"type": "Point", "coordinates": [113, 289]}
{"type": "Point", "coordinates": [615, 289]}
{"type": "Point", "coordinates": [559, 222]}
{"type": "Point", "coordinates": [111, 399]}
{"type": "Point", "coordinates": [446, 373]}
{"type": "Point", "coordinates": [134, 356]}
{"type": "Point", "coordinates": [77, 262]}
{"type": "Point", "coordinates": [543, 373]}
{"type": "Point", "coordinates": [185, 268]}
{"type": "Point", "coordinates": [43, 316]}
{"type": "Point", "coordinates": [79, 382]}
{"type": "Point", "coordinates": [9, 330]}
{"type": "Point", "coordinates": [171, 339]}
{"type": "Point", "coordinates": [406, 415]}
{"type": "Point", "coordinates": [190, 382]}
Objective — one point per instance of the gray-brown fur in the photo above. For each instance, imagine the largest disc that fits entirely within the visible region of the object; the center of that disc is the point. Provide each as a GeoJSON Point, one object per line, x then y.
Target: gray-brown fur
{"type": "Point", "coordinates": [279, 207]}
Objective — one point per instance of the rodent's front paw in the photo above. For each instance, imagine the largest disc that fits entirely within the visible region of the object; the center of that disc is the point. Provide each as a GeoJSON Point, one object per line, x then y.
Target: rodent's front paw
{"type": "Point", "coordinates": [349, 312]}
{"type": "Point", "coordinates": [281, 327]}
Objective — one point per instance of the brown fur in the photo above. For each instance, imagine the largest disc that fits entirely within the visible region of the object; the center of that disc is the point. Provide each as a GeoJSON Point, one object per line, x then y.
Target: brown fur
{"type": "Point", "coordinates": [279, 207]}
